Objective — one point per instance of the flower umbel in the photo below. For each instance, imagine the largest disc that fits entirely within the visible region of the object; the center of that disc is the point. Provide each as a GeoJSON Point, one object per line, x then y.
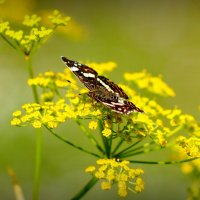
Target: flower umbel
{"type": "Point", "coordinates": [49, 114]}
{"type": "Point", "coordinates": [111, 172]}
{"type": "Point", "coordinates": [33, 35]}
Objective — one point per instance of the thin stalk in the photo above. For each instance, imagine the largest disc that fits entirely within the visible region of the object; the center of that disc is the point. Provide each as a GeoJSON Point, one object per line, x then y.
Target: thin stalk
{"type": "Point", "coordinates": [164, 162]}
{"type": "Point", "coordinates": [31, 75]}
{"type": "Point", "coordinates": [90, 136]}
{"type": "Point", "coordinates": [37, 165]}
{"type": "Point", "coordinates": [71, 144]}
{"type": "Point", "coordinates": [174, 131]}
{"type": "Point", "coordinates": [10, 43]}
{"type": "Point", "coordinates": [117, 146]}
{"type": "Point", "coordinates": [129, 154]}
{"type": "Point", "coordinates": [104, 140]}
{"type": "Point", "coordinates": [143, 146]}
{"type": "Point", "coordinates": [35, 195]}
{"type": "Point", "coordinates": [110, 146]}
{"type": "Point", "coordinates": [126, 149]}
{"type": "Point", "coordinates": [87, 187]}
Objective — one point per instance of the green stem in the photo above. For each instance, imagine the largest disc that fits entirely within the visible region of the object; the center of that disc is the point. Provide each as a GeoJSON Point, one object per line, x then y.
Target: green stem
{"type": "Point", "coordinates": [37, 165]}
{"type": "Point", "coordinates": [13, 46]}
{"type": "Point", "coordinates": [105, 140]}
{"type": "Point", "coordinates": [163, 162]}
{"type": "Point", "coordinates": [31, 75]}
{"type": "Point", "coordinates": [117, 146]}
{"type": "Point", "coordinates": [71, 144]}
{"type": "Point", "coordinates": [35, 195]}
{"type": "Point", "coordinates": [126, 149]}
{"type": "Point", "coordinates": [87, 187]}
{"type": "Point", "coordinates": [129, 154]}
{"type": "Point", "coordinates": [174, 131]}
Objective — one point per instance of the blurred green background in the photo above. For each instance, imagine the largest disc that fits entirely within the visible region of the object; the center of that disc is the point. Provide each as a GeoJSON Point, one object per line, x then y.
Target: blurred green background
{"type": "Point", "coordinates": [160, 36]}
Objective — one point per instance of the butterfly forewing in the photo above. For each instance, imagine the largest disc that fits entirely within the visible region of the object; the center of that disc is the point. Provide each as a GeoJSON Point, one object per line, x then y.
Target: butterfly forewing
{"type": "Point", "coordinates": [84, 73]}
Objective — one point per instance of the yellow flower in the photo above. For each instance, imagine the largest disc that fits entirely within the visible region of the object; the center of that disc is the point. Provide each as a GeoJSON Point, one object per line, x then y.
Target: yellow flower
{"type": "Point", "coordinates": [32, 20]}
{"type": "Point", "coordinates": [186, 168]}
{"type": "Point", "coordinates": [93, 125]}
{"type": "Point", "coordinates": [90, 169]}
{"type": "Point", "coordinates": [37, 124]}
{"type": "Point", "coordinates": [58, 20]}
{"type": "Point", "coordinates": [17, 113]}
{"type": "Point", "coordinates": [160, 138]}
{"type": "Point", "coordinates": [99, 174]}
{"type": "Point", "coordinates": [139, 185]}
{"type": "Point", "coordinates": [15, 35]}
{"type": "Point", "coordinates": [174, 113]}
{"type": "Point", "coordinates": [191, 145]}
{"type": "Point", "coordinates": [4, 26]}
{"type": "Point", "coordinates": [15, 122]}
{"type": "Point", "coordinates": [105, 185]}
{"type": "Point", "coordinates": [122, 192]}
{"type": "Point", "coordinates": [106, 132]}
{"type": "Point", "coordinates": [52, 124]}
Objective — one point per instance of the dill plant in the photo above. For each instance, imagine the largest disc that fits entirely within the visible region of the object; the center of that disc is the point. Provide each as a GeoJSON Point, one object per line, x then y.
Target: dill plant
{"type": "Point", "coordinates": [122, 136]}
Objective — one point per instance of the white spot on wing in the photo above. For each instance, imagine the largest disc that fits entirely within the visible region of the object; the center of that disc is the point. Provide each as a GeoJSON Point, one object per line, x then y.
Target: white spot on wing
{"type": "Point", "coordinates": [90, 75]}
{"type": "Point", "coordinates": [74, 69]}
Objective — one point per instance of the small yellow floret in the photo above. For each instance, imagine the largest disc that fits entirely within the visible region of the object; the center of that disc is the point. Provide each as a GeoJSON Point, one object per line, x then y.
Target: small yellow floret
{"type": "Point", "coordinates": [17, 113]}
{"type": "Point", "coordinates": [15, 122]}
{"type": "Point", "coordinates": [90, 169]}
{"type": "Point", "coordinates": [106, 132]}
{"type": "Point", "coordinates": [93, 125]}
{"type": "Point", "coordinates": [105, 185]}
{"type": "Point", "coordinates": [37, 124]}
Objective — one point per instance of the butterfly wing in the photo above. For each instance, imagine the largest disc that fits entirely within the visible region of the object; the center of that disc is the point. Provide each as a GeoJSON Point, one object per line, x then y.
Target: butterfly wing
{"type": "Point", "coordinates": [111, 86]}
{"type": "Point", "coordinates": [112, 101]}
{"type": "Point", "coordinates": [85, 74]}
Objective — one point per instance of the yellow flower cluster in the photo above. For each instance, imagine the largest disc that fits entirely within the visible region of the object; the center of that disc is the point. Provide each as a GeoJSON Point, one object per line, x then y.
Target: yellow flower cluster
{"type": "Point", "coordinates": [26, 40]}
{"type": "Point", "coordinates": [191, 167]}
{"type": "Point", "coordinates": [110, 171]}
{"type": "Point", "coordinates": [52, 114]}
{"type": "Point", "coordinates": [32, 20]}
{"type": "Point", "coordinates": [4, 26]}
{"type": "Point", "coordinates": [153, 84]}
{"type": "Point", "coordinates": [49, 114]}
{"type": "Point", "coordinates": [191, 145]}
{"type": "Point", "coordinates": [58, 20]}
{"type": "Point", "coordinates": [101, 68]}
{"type": "Point", "coordinates": [52, 80]}
{"type": "Point", "coordinates": [157, 122]}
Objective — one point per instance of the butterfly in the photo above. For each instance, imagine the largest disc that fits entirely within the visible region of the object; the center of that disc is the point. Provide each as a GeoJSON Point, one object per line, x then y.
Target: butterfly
{"type": "Point", "coordinates": [101, 88]}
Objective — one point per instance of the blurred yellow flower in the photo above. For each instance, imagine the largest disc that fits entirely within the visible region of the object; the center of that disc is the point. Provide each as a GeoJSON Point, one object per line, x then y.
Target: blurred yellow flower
{"type": "Point", "coordinates": [151, 83]}
{"type": "Point", "coordinates": [102, 67]}
{"type": "Point", "coordinates": [93, 125]}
